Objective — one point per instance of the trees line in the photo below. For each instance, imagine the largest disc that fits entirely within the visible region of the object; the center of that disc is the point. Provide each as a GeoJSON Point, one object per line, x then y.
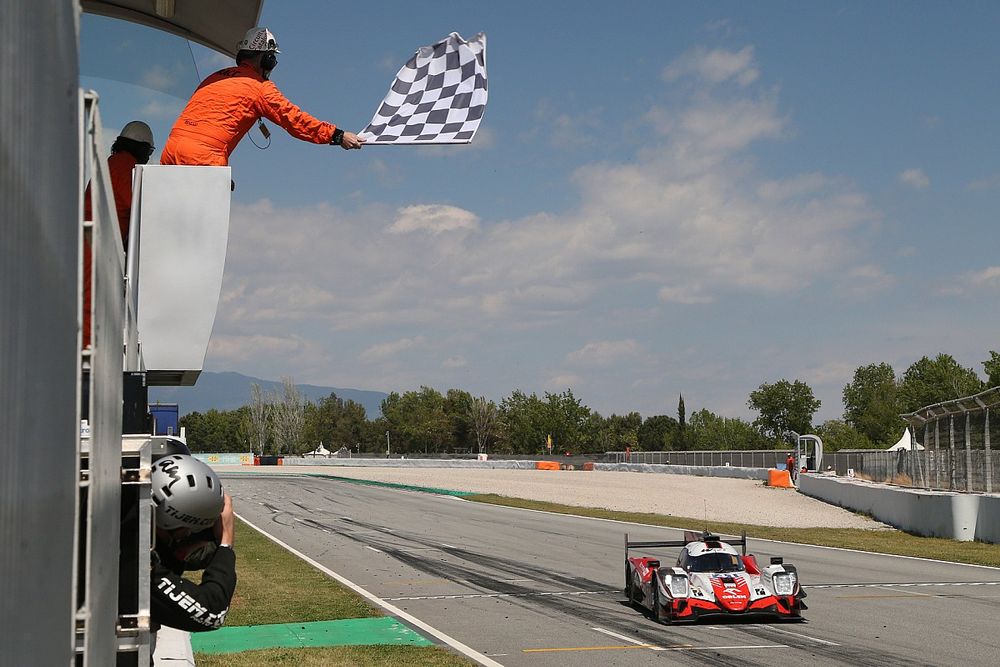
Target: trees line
{"type": "Point", "coordinates": [427, 421]}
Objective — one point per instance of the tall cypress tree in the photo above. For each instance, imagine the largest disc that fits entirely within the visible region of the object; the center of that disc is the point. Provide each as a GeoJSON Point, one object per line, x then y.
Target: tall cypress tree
{"type": "Point", "coordinates": [682, 428]}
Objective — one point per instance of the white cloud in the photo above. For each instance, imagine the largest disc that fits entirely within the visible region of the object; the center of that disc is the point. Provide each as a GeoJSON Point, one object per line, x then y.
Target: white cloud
{"type": "Point", "coordinates": [603, 352]}
{"type": "Point", "coordinates": [159, 77]}
{"type": "Point", "coordinates": [915, 178]}
{"type": "Point", "coordinates": [988, 277]}
{"type": "Point", "coordinates": [986, 183]}
{"type": "Point", "coordinates": [457, 361]}
{"type": "Point", "coordinates": [973, 281]}
{"type": "Point", "coordinates": [867, 280]}
{"type": "Point", "coordinates": [562, 381]}
{"type": "Point", "coordinates": [433, 218]}
{"type": "Point", "coordinates": [715, 66]}
{"type": "Point", "coordinates": [690, 294]}
{"type": "Point", "coordinates": [237, 349]}
{"type": "Point", "coordinates": [383, 351]}
{"type": "Point", "coordinates": [566, 130]}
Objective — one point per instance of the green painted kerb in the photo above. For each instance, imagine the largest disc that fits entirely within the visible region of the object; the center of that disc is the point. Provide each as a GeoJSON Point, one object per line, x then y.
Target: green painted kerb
{"type": "Point", "coordinates": [349, 632]}
{"type": "Point", "coordinates": [352, 480]}
{"type": "Point", "coordinates": [391, 485]}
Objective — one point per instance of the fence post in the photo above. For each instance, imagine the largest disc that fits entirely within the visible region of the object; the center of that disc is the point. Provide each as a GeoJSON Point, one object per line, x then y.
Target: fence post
{"type": "Point", "coordinates": [926, 472]}
{"type": "Point", "coordinates": [937, 460]}
{"type": "Point", "coordinates": [968, 451]}
{"type": "Point", "coordinates": [988, 453]}
{"type": "Point", "coordinates": [951, 453]}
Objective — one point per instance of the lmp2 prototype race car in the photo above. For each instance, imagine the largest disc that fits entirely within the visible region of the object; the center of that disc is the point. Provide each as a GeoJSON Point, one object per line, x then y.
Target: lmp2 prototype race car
{"type": "Point", "coordinates": [711, 579]}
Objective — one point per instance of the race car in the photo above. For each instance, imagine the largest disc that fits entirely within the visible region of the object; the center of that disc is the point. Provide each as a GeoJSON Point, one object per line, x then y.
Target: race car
{"type": "Point", "coordinates": [711, 579]}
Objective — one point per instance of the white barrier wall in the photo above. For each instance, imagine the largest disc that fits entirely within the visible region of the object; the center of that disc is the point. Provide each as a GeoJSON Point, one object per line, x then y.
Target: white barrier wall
{"type": "Point", "coordinates": [988, 522]}
{"type": "Point", "coordinates": [958, 516]}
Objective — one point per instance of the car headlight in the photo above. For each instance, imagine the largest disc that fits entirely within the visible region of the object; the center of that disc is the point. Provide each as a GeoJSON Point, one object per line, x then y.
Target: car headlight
{"type": "Point", "coordinates": [784, 583]}
{"type": "Point", "coordinates": [678, 586]}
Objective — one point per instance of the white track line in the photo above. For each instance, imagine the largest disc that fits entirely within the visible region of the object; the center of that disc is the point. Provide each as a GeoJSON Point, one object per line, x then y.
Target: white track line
{"type": "Point", "coordinates": [392, 609]}
{"type": "Point", "coordinates": [626, 638]}
{"type": "Point", "coordinates": [915, 584]}
{"type": "Point", "coordinates": [378, 551]}
{"type": "Point", "coordinates": [472, 596]}
{"type": "Point", "coordinates": [796, 634]}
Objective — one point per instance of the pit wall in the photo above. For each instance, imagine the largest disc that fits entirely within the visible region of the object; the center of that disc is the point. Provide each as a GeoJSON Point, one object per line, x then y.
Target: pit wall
{"type": "Point", "coordinates": [958, 516]}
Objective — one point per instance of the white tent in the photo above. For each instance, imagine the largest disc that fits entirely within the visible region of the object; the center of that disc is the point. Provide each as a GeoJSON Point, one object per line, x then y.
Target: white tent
{"type": "Point", "coordinates": [905, 442]}
{"type": "Point", "coordinates": [319, 451]}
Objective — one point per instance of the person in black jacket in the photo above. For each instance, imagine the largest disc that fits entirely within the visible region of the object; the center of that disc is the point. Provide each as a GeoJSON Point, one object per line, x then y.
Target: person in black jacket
{"type": "Point", "coordinates": [194, 531]}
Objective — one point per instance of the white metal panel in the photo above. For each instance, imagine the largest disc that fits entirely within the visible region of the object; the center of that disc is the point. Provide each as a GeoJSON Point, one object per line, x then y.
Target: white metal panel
{"type": "Point", "coordinates": [103, 492]}
{"type": "Point", "coordinates": [219, 24]}
{"type": "Point", "coordinates": [183, 231]}
{"type": "Point", "coordinates": [39, 329]}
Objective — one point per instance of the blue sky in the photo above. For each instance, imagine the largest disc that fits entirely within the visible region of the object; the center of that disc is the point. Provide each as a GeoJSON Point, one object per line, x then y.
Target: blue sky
{"type": "Point", "coordinates": [664, 198]}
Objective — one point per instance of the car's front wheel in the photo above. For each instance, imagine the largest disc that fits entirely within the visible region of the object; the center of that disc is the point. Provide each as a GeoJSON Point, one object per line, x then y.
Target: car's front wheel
{"type": "Point", "coordinates": [658, 613]}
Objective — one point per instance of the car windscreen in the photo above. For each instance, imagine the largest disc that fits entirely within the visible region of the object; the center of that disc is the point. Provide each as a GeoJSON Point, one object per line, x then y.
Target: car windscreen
{"type": "Point", "coordinates": [715, 562]}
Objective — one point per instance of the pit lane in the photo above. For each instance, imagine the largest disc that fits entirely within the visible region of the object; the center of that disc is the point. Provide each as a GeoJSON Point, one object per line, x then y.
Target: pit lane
{"type": "Point", "coordinates": [530, 588]}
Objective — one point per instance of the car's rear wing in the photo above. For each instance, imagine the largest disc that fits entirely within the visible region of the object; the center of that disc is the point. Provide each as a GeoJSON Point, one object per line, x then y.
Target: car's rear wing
{"type": "Point", "coordinates": [689, 536]}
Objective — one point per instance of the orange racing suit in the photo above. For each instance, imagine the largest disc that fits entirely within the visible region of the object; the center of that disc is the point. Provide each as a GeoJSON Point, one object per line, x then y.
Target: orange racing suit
{"type": "Point", "coordinates": [224, 108]}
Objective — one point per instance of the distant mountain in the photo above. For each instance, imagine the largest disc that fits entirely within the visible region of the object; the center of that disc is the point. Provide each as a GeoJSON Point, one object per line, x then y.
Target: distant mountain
{"type": "Point", "coordinates": [229, 391]}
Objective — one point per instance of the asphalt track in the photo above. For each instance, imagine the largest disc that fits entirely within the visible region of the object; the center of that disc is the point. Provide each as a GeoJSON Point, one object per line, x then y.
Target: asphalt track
{"type": "Point", "coordinates": [539, 589]}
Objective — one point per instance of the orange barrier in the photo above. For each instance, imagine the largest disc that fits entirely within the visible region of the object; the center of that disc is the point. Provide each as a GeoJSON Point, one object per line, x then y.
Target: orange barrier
{"type": "Point", "coordinates": [779, 478]}
{"type": "Point", "coordinates": [547, 465]}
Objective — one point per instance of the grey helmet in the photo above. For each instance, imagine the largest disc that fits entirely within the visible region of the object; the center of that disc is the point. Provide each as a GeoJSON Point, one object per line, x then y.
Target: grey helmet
{"type": "Point", "coordinates": [187, 493]}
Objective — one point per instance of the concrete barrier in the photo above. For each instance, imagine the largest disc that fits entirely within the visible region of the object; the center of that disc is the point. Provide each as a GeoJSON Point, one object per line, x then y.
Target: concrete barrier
{"type": "Point", "coordinates": [408, 463]}
{"type": "Point", "coordinates": [988, 522]}
{"type": "Point", "coordinates": [779, 478]}
{"type": "Point", "coordinates": [704, 471]}
{"type": "Point", "coordinates": [701, 471]}
{"type": "Point", "coordinates": [957, 516]}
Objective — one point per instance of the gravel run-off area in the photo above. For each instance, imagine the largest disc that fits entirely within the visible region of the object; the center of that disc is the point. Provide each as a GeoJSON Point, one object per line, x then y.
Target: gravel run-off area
{"type": "Point", "coordinates": [715, 498]}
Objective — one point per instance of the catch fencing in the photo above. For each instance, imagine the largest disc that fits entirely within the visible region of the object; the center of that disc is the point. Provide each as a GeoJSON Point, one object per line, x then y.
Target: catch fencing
{"type": "Point", "coordinates": [751, 458]}
{"type": "Point", "coordinates": [939, 470]}
{"type": "Point", "coordinates": [951, 451]}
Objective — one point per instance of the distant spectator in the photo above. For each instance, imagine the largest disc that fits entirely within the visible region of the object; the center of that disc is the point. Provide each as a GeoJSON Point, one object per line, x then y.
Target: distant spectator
{"type": "Point", "coordinates": [790, 465]}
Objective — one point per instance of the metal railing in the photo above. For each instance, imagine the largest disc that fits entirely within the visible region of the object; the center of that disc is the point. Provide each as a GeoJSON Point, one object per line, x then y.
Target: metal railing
{"type": "Point", "coordinates": [754, 458]}
{"type": "Point", "coordinates": [940, 470]}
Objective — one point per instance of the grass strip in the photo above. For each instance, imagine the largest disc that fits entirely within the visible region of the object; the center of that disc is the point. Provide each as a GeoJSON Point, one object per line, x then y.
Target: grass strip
{"type": "Point", "coordinates": [275, 586]}
{"type": "Point", "coordinates": [894, 542]}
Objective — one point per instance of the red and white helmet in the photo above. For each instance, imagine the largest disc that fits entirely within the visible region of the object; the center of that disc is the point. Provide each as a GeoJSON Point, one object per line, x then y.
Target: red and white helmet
{"type": "Point", "coordinates": [258, 39]}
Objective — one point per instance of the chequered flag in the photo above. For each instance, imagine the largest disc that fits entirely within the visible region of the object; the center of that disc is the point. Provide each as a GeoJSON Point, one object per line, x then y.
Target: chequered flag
{"type": "Point", "coordinates": [438, 97]}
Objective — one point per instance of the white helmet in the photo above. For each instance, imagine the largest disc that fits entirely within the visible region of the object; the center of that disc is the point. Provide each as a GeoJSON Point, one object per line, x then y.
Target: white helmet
{"type": "Point", "coordinates": [258, 39]}
{"type": "Point", "coordinates": [137, 131]}
{"type": "Point", "coordinates": [187, 493]}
